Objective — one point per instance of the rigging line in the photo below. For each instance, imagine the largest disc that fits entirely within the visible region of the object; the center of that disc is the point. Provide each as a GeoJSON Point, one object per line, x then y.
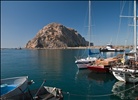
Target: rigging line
{"type": "Point", "coordinates": [120, 21]}
{"type": "Point", "coordinates": [129, 22]}
{"type": "Point", "coordinates": [100, 95]}
{"type": "Point", "coordinates": [83, 31]}
{"type": "Point", "coordinates": [118, 29]}
{"type": "Point", "coordinates": [122, 7]}
{"type": "Point", "coordinates": [83, 53]}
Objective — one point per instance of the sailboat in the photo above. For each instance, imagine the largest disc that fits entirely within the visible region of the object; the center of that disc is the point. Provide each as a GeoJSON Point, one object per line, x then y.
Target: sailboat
{"type": "Point", "coordinates": [127, 71]}
{"type": "Point", "coordinates": [84, 62]}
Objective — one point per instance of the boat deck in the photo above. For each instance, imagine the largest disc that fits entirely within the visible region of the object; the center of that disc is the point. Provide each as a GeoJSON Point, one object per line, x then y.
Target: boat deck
{"type": "Point", "coordinates": [106, 62]}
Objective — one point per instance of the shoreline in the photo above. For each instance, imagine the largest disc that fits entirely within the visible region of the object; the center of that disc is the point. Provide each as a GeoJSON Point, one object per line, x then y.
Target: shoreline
{"type": "Point", "coordinates": [91, 47]}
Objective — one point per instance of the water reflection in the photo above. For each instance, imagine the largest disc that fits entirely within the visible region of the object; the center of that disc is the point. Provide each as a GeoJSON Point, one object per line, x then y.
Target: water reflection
{"type": "Point", "coordinates": [104, 86]}
{"type": "Point", "coordinates": [109, 54]}
{"type": "Point", "coordinates": [47, 64]}
{"type": "Point", "coordinates": [96, 83]}
{"type": "Point", "coordinates": [49, 58]}
{"type": "Point", "coordinates": [125, 91]}
{"type": "Point", "coordinates": [100, 81]}
{"type": "Point", "coordinates": [80, 74]}
{"type": "Point", "coordinates": [100, 78]}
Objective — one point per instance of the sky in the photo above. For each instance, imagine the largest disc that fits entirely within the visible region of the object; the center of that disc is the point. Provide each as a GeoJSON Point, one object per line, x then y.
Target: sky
{"type": "Point", "coordinates": [21, 20]}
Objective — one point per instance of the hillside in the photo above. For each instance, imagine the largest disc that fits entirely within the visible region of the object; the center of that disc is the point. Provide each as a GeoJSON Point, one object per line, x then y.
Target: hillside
{"type": "Point", "coordinates": [56, 35]}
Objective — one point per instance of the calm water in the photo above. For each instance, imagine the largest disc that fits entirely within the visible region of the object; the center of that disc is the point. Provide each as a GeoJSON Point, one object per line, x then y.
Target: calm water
{"type": "Point", "coordinates": [59, 70]}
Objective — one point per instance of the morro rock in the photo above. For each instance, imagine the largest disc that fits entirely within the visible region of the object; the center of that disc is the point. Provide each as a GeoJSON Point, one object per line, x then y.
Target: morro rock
{"type": "Point", "coordinates": [55, 35]}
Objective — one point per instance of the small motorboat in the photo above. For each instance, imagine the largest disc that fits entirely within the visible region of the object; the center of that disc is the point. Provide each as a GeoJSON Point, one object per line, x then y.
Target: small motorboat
{"type": "Point", "coordinates": [13, 86]}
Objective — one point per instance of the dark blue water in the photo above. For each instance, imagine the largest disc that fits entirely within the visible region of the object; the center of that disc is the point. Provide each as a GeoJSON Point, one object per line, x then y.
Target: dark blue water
{"type": "Point", "coordinates": [59, 70]}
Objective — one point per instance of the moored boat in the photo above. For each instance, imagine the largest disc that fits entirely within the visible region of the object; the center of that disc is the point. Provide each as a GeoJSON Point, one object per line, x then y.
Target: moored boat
{"type": "Point", "coordinates": [109, 48]}
{"type": "Point", "coordinates": [98, 68]}
{"type": "Point", "coordinates": [127, 71]}
{"type": "Point", "coordinates": [43, 93]}
{"type": "Point", "coordinates": [17, 88]}
{"type": "Point", "coordinates": [125, 74]}
{"type": "Point", "coordinates": [84, 62]}
{"type": "Point", "coordinates": [102, 65]}
{"type": "Point", "coordinates": [13, 86]}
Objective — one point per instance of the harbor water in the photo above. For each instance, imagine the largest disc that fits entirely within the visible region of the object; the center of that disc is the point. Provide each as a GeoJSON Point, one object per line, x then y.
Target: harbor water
{"type": "Point", "coordinates": [58, 68]}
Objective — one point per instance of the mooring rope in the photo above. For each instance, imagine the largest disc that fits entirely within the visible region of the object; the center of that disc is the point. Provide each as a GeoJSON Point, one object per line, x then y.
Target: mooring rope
{"type": "Point", "coordinates": [103, 95]}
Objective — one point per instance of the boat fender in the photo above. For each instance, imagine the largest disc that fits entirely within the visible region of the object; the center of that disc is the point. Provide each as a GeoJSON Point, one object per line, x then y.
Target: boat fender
{"type": "Point", "coordinates": [59, 94]}
{"type": "Point", "coordinates": [31, 82]}
{"type": "Point", "coordinates": [125, 69]}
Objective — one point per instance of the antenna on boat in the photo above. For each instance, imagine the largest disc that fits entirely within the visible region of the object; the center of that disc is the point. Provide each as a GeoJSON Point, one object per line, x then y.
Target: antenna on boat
{"type": "Point", "coordinates": [89, 21]}
{"type": "Point", "coordinates": [89, 24]}
{"type": "Point", "coordinates": [135, 29]}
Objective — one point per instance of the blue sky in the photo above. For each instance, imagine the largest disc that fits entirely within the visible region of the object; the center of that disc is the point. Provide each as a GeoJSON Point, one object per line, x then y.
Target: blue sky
{"type": "Point", "coordinates": [21, 20]}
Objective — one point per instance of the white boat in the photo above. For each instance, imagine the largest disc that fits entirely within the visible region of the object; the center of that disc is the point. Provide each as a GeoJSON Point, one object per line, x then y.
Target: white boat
{"type": "Point", "coordinates": [109, 48]}
{"type": "Point", "coordinates": [125, 74]}
{"type": "Point", "coordinates": [13, 86]}
{"type": "Point", "coordinates": [133, 50]}
{"type": "Point", "coordinates": [84, 62]}
{"type": "Point", "coordinates": [128, 70]}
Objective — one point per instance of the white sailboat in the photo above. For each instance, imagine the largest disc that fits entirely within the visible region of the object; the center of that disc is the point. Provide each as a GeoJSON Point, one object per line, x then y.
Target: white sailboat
{"type": "Point", "coordinates": [128, 70]}
{"type": "Point", "coordinates": [84, 62]}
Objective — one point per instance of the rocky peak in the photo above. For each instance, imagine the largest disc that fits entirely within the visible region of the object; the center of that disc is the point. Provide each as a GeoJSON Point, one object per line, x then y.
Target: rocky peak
{"type": "Point", "coordinates": [55, 35]}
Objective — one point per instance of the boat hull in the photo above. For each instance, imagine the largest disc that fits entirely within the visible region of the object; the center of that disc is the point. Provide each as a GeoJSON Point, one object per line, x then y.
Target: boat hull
{"type": "Point", "coordinates": [125, 75]}
{"type": "Point", "coordinates": [112, 50]}
{"type": "Point", "coordinates": [83, 63]}
{"type": "Point", "coordinates": [45, 93]}
{"type": "Point", "coordinates": [82, 66]}
{"type": "Point", "coordinates": [98, 68]}
{"type": "Point", "coordinates": [18, 84]}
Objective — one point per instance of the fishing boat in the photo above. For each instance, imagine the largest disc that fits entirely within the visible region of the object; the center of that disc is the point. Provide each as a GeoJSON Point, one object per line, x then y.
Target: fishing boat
{"type": "Point", "coordinates": [102, 65]}
{"type": "Point", "coordinates": [13, 86]}
{"type": "Point", "coordinates": [127, 71]}
{"type": "Point", "coordinates": [110, 48]}
{"type": "Point", "coordinates": [83, 62]}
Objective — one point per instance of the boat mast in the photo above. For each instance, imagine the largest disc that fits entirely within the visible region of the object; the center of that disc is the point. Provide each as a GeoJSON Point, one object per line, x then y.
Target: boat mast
{"type": "Point", "coordinates": [135, 29]}
{"type": "Point", "coordinates": [89, 30]}
{"type": "Point", "coordinates": [89, 24]}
